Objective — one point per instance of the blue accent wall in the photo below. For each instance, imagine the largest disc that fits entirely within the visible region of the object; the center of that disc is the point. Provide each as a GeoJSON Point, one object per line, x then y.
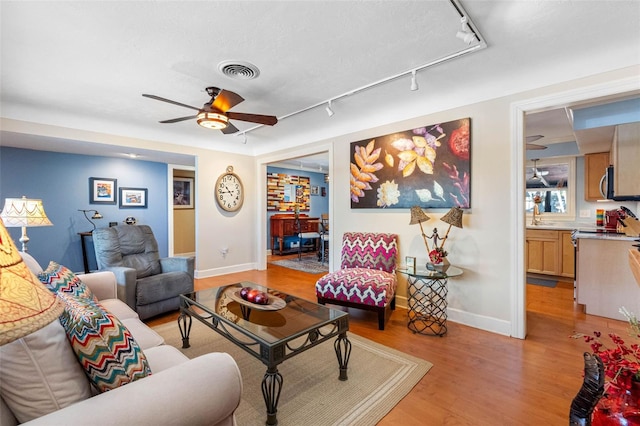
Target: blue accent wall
{"type": "Point", "coordinates": [318, 203]}
{"type": "Point", "coordinates": [62, 182]}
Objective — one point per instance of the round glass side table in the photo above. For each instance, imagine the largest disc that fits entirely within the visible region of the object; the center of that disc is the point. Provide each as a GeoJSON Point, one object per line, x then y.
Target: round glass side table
{"type": "Point", "coordinates": [427, 299]}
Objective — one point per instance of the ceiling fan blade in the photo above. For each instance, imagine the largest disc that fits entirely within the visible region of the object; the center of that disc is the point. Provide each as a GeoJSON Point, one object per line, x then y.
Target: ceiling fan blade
{"type": "Point", "coordinates": [533, 146]}
{"type": "Point", "coordinates": [269, 120]}
{"type": "Point", "coordinates": [175, 120]}
{"type": "Point", "coordinates": [226, 100]}
{"type": "Point", "coordinates": [158, 98]}
{"type": "Point", "coordinates": [229, 129]}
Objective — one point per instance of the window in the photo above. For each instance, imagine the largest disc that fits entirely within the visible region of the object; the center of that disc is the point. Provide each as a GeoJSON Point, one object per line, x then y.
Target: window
{"type": "Point", "coordinates": [553, 180]}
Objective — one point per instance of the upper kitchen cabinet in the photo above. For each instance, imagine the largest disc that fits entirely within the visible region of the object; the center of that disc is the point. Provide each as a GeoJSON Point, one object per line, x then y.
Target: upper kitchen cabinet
{"type": "Point", "coordinates": [625, 157]}
{"type": "Point", "coordinates": [595, 167]}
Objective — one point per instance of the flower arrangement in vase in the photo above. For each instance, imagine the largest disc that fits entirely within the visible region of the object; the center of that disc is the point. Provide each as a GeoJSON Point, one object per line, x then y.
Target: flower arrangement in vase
{"type": "Point", "coordinates": [620, 404]}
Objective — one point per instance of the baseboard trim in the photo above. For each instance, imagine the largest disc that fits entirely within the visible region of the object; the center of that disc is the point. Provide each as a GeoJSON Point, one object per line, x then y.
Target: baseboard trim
{"type": "Point", "coordinates": [206, 273]}
{"type": "Point", "coordinates": [481, 322]}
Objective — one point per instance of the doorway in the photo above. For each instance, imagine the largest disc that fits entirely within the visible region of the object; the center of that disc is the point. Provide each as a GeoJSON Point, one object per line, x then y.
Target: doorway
{"type": "Point", "coordinates": [319, 151]}
{"type": "Point", "coordinates": [611, 89]}
{"type": "Point", "coordinates": [182, 218]}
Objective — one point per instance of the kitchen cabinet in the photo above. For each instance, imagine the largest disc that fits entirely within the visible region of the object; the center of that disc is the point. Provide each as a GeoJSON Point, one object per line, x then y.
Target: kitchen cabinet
{"type": "Point", "coordinates": [567, 254]}
{"type": "Point", "coordinates": [542, 252]}
{"type": "Point", "coordinates": [595, 166]}
{"type": "Point", "coordinates": [625, 157]}
{"type": "Point", "coordinates": [550, 252]}
{"type": "Point", "coordinates": [604, 281]}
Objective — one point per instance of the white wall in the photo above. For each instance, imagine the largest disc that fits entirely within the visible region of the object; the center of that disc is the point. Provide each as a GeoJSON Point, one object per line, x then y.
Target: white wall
{"type": "Point", "coordinates": [490, 248]}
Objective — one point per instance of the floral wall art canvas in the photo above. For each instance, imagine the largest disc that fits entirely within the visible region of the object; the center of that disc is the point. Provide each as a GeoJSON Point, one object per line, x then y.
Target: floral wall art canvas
{"type": "Point", "coordinates": [427, 166]}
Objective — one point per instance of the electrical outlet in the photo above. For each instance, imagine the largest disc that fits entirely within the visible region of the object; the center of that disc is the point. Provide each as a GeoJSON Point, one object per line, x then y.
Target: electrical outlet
{"type": "Point", "coordinates": [585, 213]}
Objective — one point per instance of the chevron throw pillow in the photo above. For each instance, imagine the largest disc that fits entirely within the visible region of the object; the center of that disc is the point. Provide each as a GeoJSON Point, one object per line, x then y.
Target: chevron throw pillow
{"type": "Point", "coordinates": [60, 279]}
{"type": "Point", "coordinates": [105, 348]}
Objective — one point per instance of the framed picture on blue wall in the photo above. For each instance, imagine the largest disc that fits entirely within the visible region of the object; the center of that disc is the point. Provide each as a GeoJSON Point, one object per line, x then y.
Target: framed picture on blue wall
{"type": "Point", "coordinates": [103, 190]}
{"type": "Point", "coordinates": [131, 198]}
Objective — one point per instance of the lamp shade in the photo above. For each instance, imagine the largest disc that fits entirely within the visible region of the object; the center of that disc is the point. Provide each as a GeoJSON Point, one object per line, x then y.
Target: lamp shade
{"type": "Point", "coordinates": [26, 305]}
{"type": "Point", "coordinates": [418, 215]}
{"type": "Point", "coordinates": [26, 212]}
{"type": "Point", "coordinates": [453, 217]}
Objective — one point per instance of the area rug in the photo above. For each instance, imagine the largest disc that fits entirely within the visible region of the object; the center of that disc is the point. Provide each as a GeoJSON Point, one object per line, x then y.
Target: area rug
{"type": "Point", "coordinates": [308, 264]}
{"type": "Point", "coordinates": [542, 282]}
{"type": "Point", "coordinates": [379, 377]}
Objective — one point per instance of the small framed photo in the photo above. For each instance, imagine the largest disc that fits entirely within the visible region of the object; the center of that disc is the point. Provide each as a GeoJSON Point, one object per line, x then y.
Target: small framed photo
{"type": "Point", "coordinates": [182, 193]}
{"type": "Point", "coordinates": [411, 264]}
{"type": "Point", "coordinates": [103, 191]}
{"type": "Point", "coordinates": [131, 198]}
{"type": "Point", "coordinates": [315, 190]}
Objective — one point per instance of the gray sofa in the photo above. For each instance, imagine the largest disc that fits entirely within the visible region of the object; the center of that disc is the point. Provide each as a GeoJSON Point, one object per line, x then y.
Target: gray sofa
{"type": "Point", "coordinates": [148, 284]}
{"type": "Point", "coordinates": [203, 391]}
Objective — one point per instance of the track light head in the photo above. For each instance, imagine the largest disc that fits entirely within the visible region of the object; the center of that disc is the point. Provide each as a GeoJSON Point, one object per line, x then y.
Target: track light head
{"type": "Point", "coordinates": [464, 34]}
{"type": "Point", "coordinates": [329, 110]}
{"type": "Point", "coordinates": [414, 81]}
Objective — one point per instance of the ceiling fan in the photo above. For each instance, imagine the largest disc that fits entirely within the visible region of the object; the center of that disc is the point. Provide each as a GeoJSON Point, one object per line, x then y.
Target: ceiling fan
{"type": "Point", "coordinates": [532, 146]}
{"type": "Point", "coordinates": [538, 174]}
{"type": "Point", "coordinates": [215, 114]}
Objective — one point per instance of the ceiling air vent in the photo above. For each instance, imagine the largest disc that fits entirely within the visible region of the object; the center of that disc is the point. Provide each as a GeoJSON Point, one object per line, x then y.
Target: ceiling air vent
{"type": "Point", "coordinates": [239, 70]}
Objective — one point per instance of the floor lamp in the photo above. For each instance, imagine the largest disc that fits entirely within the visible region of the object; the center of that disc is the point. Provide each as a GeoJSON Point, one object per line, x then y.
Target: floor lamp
{"type": "Point", "coordinates": [24, 212]}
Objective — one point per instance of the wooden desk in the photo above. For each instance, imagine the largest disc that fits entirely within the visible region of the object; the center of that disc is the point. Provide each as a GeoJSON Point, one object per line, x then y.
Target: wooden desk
{"type": "Point", "coordinates": [284, 225]}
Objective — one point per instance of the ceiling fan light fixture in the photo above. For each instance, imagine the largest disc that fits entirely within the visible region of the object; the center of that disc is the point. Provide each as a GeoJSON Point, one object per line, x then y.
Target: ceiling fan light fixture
{"type": "Point", "coordinates": [535, 169]}
{"type": "Point", "coordinates": [212, 120]}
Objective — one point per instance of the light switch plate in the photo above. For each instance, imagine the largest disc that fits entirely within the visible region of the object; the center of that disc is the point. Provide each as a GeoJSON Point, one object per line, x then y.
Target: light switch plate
{"type": "Point", "coordinates": [585, 213]}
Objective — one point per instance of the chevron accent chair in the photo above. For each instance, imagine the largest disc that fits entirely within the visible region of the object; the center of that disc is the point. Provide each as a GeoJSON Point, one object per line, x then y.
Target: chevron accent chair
{"type": "Point", "coordinates": [366, 278]}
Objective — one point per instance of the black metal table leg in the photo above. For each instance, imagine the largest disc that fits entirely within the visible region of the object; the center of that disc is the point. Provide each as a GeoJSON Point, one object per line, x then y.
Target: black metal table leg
{"type": "Point", "coordinates": [342, 346]}
{"type": "Point", "coordinates": [271, 387]}
{"type": "Point", "coordinates": [184, 324]}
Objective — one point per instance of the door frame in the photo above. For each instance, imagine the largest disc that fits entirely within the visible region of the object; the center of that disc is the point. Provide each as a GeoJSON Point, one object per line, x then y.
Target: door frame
{"type": "Point", "coordinates": [171, 168]}
{"type": "Point", "coordinates": [518, 220]}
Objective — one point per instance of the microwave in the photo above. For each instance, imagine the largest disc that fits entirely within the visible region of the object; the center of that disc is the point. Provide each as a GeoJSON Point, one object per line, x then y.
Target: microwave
{"type": "Point", "coordinates": [606, 188]}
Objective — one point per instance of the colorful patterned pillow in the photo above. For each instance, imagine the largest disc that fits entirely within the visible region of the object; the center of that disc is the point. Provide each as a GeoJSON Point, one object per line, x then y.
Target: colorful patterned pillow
{"type": "Point", "coordinates": [105, 348]}
{"type": "Point", "coordinates": [60, 279]}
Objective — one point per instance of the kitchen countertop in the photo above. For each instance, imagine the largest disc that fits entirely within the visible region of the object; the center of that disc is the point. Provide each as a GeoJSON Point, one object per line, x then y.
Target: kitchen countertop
{"type": "Point", "coordinates": [603, 236]}
{"type": "Point", "coordinates": [585, 230]}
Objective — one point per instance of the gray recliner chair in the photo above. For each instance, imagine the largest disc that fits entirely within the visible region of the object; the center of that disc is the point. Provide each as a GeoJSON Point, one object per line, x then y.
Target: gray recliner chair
{"type": "Point", "coordinates": [148, 284]}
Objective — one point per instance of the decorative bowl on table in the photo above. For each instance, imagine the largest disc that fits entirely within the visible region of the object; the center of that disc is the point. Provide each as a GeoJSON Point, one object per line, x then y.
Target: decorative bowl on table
{"type": "Point", "coordinates": [273, 303]}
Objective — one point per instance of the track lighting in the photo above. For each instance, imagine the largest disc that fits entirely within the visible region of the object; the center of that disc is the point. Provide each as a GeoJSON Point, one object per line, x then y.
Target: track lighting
{"type": "Point", "coordinates": [414, 82]}
{"type": "Point", "coordinates": [465, 35]}
{"type": "Point", "coordinates": [329, 110]}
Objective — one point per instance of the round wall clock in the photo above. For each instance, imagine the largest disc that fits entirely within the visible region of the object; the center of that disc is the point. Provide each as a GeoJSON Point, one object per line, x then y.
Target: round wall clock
{"type": "Point", "coordinates": [229, 191]}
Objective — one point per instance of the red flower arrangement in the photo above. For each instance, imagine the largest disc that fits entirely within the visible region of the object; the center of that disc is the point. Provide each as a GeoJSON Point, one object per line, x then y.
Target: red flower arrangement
{"type": "Point", "coordinates": [621, 368]}
{"type": "Point", "coordinates": [437, 255]}
{"type": "Point", "coordinates": [621, 363]}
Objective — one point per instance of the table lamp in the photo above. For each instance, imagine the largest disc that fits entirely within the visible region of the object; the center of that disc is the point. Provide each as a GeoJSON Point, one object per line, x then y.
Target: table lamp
{"type": "Point", "coordinates": [453, 218]}
{"type": "Point", "coordinates": [25, 303]}
{"type": "Point", "coordinates": [24, 212]}
{"type": "Point", "coordinates": [418, 216]}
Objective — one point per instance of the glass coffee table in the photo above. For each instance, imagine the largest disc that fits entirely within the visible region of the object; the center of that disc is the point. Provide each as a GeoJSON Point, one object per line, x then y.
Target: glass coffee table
{"type": "Point", "coordinates": [273, 333]}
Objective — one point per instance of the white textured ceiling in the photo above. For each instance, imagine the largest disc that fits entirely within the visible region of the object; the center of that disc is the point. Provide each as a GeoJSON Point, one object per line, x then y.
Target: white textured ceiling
{"type": "Point", "coordinates": [83, 65]}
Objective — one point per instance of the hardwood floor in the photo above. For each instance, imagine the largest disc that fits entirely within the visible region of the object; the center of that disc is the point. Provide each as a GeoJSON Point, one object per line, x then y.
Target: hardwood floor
{"type": "Point", "coordinates": [478, 378]}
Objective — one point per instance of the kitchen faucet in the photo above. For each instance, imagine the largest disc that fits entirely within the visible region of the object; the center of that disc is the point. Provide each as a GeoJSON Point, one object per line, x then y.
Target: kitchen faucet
{"type": "Point", "coordinates": [536, 218]}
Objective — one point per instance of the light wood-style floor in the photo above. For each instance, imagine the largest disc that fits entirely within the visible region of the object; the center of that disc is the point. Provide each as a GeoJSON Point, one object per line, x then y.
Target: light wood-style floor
{"type": "Point", "coordinates": [478, 378]}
